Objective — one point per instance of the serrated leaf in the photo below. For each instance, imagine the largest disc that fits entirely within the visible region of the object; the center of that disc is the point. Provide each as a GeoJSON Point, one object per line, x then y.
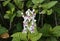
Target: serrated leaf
{"type": "Point", "coordinates": [37, 1]}
{"type": "Point", "coordinates": [37, 37]}
{"type": "Point", "coordinates": [34, 36]}
{"type": "Point", "coordinates": [21, 35]}
{"type": "Point", "coordinates": [49, 5]}
{"type": "Point", "coordinates": [49, 12]}
{"type": "Point", "coordinates": [16, 39]}
{"type": "Point", "coordinates": [16, 34]}
{"type": "Point", "coordinates": [56, 31]}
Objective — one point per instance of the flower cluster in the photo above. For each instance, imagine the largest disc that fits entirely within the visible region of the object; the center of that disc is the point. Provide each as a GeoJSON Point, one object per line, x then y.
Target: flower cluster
{"type": "Point", "coordinates": [29, 22]}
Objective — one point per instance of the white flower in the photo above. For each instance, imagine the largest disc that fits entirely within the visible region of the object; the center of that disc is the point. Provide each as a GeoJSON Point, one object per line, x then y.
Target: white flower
{"type": "Point", "coordinates": [31, 29]}
{"type": "Point", "coordinates": [28, 12]}
{"type": "Point", "coordinates": [25, 18]}
{"type": "Point", "coordinates": [33, 10]}
{"type": "Point", "coordinates": [29, 17]}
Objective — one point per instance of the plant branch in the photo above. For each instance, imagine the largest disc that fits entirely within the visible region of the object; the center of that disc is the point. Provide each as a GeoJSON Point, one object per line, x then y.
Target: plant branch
{"type": "Point", "coordinates": [42, 20]}
{"type": "Point", "coordinates": [10, 25]}
{"type": "Point", "coordinates": [55, 19]}
{"type": "Point", "coordinates": [39, 19]}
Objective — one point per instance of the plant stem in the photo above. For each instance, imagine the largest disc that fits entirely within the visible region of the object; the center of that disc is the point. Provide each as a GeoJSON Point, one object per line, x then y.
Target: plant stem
{"type": "Point", "coordinates": [2, 13]}
{"type": "Point", "coordinates": [42, 20]}
{"type": "Point", "coordinates": [39, 19]}
{"type": "Point", "coordinates": [55, 19]}
{"type": "Point", "coordinates": [10, 25]}
{"type": "Point", "coordinates": [39, 16]}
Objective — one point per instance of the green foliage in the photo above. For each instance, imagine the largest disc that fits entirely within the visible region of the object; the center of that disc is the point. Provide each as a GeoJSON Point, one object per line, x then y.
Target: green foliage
{"type": "Point", "coordinates": [57, 10]}
{"type": "Point", "coordinates": [19, 13]}
{"type": "Point", "coordinates": [6, 2]}
{"type": "Point", "coordinates": [10, 13]}
{"type": "Point", "coordinates": [19, 27]}
{"type": "Point", "coordinates": [20, 36]}
{"type": "Point", "coordinates": [16, 8]}
{"type": "Point", "coordinates": [51, 39]}
{"type": "Point", "coordinates": [34, 36]}
{"type": "Point", "coordinates": [29, 4]}
{"type": "Point", "coordinates": [3, 30]}
{"type": "Point", "coordinates": [56, 31]}
{"type": "Point", "coordinates": [10, 17]}
{"type": "Point", "coordinates": [37, 1]}
{"type": "Point", "coordinates": [11, 7]}
{"type": "Point", "coordinates": [23, 36]}
{"type": "Point", "coordinates": [49, 12]}
{"type": "Point", "coordinates": [16, 39]}
{"type": "Point", "coordinates": [27, 36]}
{"type": "Point", "coordinates": [46, 30]}
{"type": "Point", "coordinates": [49, 5]}
{"type": "Point", "coordinates": [19, 3]}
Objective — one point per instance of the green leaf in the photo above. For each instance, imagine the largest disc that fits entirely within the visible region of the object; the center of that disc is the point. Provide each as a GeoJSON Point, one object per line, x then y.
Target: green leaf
{"type": "Point", "coordinates": [49, 5]}
{"type": "Point", "coordinates": [29, 4]}
{"type": "Point", "coordinates": [19, 3]}
{"type": "Point", "coordinates": [34, 36]}
{"type": "Point", "coordinates": [9, 16]}
{"type": "Point", "coordinates": [3, 30]}
{"type": "Point", "coordinates": [43, 12]}
{"type": "Point", "coordinates": [49, 12]}
{"type": "Point", "coordinates": [37, 1]}
{"type": "Point", "coordinates": [19, 27]}
{"type": "Point", "coordinates": [22, 36]}
{"type": "Point", "coordinates": [6, 16]}
{"type": "Point", "coordinates": [57, 9]}
{"type": "Point", "coordinates": [46, 30]}
{"type": "Point", "coordinates": [16, 36]}
{"type": "Point", "coordinates": [37, 37]}
{"type": "Point", "coordinates": [16, 39]}
{"type": "Point", "coordinates": [12, 7]}
{"type": "Point", "coordinates": [6, 2]}
{"type": "Point", "coordinates": [51, 39]}
{"type": "Point", "coordinates": [56, 31]}
{"type": "Point", "coordinates": [8, 12]}
{"type": "Point", "coordinates": [19, 13]}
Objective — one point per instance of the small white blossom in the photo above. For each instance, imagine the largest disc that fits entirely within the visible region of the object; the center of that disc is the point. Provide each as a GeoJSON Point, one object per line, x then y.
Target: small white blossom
{"type": "Point", "coordinates": [29, 18]}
